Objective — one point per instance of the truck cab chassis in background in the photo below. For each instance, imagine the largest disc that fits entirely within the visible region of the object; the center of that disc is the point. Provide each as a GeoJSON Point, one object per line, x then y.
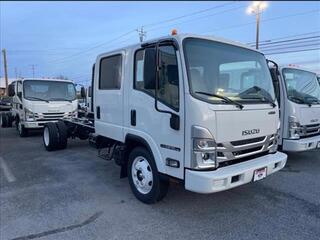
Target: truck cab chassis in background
{"type": "Point", "coordinates": [197, 109]}
{"type": "Point", "coordinates": [298, 93]}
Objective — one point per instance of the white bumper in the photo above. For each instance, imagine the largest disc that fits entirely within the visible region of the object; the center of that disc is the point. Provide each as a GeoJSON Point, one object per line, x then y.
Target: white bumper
{"type": "Point", "coordinates": [221, 179]}
{"type": "Point", "coordinates": [301, 144]}
{"type": "Point", "coordinates": [36, 124]}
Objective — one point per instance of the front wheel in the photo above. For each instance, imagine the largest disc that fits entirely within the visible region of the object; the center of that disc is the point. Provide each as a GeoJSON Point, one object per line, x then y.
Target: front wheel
{"type": "Point", "coordinates": [51, 137]}
{"type": "Point", "coordinates": [144, 178]}
{"type": "Point", "coordinates": [23, 132]}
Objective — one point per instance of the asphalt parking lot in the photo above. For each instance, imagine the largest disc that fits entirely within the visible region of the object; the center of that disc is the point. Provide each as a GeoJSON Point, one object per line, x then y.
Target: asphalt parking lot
{"type": "Point", "coordinates": [74, 194]}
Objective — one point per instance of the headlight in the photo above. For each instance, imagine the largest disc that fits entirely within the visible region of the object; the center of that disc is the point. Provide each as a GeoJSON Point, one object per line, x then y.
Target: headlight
{"type": "Point", "coordinates": [204, 154]}
{"type": "Point", "coordinates": [294, 128]}
{"type": "Point", "coordinates": [29, 115]}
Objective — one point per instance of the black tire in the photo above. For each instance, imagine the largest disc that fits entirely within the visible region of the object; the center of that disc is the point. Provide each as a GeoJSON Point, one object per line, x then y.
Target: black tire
{"type": "Point", "coordinates": [159, 186]}
{"type": "Point", "coordinates": [63, 134]}
{"type": "Point", "coordinates": [4, 120]}
{"type": "Point", "coordinates": [23, 132]}
{"type": "Point", "coordinates": [10, 120]}
{"type": "Point", "coordinates": [50, 137]}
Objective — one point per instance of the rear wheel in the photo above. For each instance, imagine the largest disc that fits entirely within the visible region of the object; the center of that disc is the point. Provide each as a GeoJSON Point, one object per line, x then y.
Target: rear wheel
{"type": "Point", "coordinates": [10, 119]}
{"type": "Point", "coordinates": [23, 132]}
{"type": "Point", "coordinates": [50, 137]}
{"type": "Point", "coordinates": [144, 178]}
{"type": "Point", "coordinates": [4, 120]}
{"type": "Point", "coordinates": [63, 134]}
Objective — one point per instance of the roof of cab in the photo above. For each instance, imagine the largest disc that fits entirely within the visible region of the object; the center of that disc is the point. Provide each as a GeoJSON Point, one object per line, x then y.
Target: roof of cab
{"type": "Point", "coordinates": [46, 79]}
{"type": "Point", "coordinates": [295, 67]}
{"type": "Point", "coordinates": [180, 38]}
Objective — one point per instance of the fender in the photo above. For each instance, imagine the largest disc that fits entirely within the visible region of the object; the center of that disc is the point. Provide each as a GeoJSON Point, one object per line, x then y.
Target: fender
{"type": "Point", "coordinates": [150, 145]}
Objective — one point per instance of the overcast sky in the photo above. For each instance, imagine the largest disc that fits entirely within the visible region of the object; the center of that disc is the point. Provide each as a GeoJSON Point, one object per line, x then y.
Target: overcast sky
{"type": "Point", "coordinates": [65, 37]}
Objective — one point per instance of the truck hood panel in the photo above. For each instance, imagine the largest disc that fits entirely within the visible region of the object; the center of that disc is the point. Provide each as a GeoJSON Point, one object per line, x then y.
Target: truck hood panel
{"type": "Point", "coordinates": [310, 115]}
{"type": "Point", "coordinates": [245, 124]}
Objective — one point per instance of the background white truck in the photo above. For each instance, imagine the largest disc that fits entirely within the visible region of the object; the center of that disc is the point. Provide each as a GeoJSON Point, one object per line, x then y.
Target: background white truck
{"type": "Point", "coordinates": [298, 93]}
{"type": "Point", "coordinates": [38, 101]}
{"type": "Point", "coordinates": [197, 109]}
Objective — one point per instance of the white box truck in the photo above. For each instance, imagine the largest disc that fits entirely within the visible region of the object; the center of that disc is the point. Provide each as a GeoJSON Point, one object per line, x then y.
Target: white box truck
{"type": "Point", "coordinates": [197, 109]}
{"type": "Point", "coordinates": [298, 93]}
{"type": "Point", "coordinates": [38, 101]}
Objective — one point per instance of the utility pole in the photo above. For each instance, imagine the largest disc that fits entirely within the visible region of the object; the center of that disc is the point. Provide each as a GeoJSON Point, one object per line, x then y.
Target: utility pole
{"type": "Point", "coordinates": [257, 29]}
{"type": "Point", "coordinates": [256, 8]}
{"type": "Point", "coordinates": [142, 34]}
{"type": "Point", "coordinates": [33, 68]}
{"type": "Point", "coordinates": [5, 69]}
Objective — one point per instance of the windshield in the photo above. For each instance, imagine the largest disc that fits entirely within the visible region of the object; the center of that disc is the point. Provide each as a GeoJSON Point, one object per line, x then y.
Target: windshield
{"type": "Point", "coordinates": [49, 90]}
{"type": "Point", "coordinates": [222, 69]}
{"type": "Point", "coordinates": [302, 86]}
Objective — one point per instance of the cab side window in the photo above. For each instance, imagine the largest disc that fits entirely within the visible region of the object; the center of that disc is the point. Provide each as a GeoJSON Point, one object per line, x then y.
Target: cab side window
{"type": "Point", "coordinates": [168, 89]}
{"type": "Point", "coordinates": [110, 72]}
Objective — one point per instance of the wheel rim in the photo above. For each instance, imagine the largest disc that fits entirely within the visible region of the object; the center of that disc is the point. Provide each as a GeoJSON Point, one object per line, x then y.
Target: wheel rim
{"type": "Point", "coordinates": [46, 136]}
{"type": "Point", "coordinates": [142, 175]}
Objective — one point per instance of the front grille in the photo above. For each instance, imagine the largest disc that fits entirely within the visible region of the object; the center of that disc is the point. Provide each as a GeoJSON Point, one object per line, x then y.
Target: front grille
{"type": "Point", "coordinates": [244, 149]}
{"type": "Point", "coordinates": [247, 141]}
{"type": "Point", "coordinates": [310, 130]}
{"type": "Point", "coordinates": [50, 116]}
{"type": "Point", "coordinates": [231, 162]}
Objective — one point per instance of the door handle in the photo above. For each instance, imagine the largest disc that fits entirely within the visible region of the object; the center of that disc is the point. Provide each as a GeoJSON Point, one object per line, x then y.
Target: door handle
{"type": "Point", "coordinates": [98, 112]}
{"type": "Point", "coordinates": [133, 117]}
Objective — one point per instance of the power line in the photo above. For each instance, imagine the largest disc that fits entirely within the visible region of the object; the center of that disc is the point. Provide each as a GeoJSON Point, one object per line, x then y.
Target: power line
{"type": "Point", "coordinates": [296, 35]}
{"type": "Point", "coordinates": [265, 20]}
{"type": "Point", "coordinates": [94, 47]}
{"type": "Point", "coordinates": [188, 14]}
{"type": "Point", "coordinates": [290, 47]}
{"type": "Point", "coordinates": [289, 40]}
{"type": "Point", "coordinates": [197, 18]}
{"type": "Point", "coordinates": [303, 50]}
{"type": "Point", "coordinates": [292, 43]}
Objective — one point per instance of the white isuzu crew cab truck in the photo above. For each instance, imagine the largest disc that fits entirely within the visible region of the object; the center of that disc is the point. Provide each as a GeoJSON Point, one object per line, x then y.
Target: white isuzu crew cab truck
{"type": "Point", "coordinates": [298, 93]}
{"type": "Point", "coordinates": [38, 101]}
{"type": "Point", "coordinates": [197, 109]}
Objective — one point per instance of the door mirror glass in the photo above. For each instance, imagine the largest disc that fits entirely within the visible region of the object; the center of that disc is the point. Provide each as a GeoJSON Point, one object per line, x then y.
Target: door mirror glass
{"type": "Point", "coordinates": [11, 90]}
{"type": "Point", "coordinates": [150, 68]}
{"type": "Point", "coordinates": [83, 92]}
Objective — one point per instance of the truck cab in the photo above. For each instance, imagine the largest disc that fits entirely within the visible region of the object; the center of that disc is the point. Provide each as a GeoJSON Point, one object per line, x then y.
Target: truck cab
{"type": "Point", "coordinates": [38, 101]}
{"type": "Point", "coordinates": [298, 93]}
{"type": "Point", "coordinates": [198, 109]}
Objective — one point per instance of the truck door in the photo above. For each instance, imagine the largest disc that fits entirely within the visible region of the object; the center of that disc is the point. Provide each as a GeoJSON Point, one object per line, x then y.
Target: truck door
{"type": "Point", "coordinates": [108, 96]}
{"type": "Point", "coordinates": [151, 120]}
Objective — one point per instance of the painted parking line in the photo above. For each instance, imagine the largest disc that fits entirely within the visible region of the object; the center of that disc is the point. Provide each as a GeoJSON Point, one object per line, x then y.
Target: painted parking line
{"type": "Point", "coordinates": [6, 170]}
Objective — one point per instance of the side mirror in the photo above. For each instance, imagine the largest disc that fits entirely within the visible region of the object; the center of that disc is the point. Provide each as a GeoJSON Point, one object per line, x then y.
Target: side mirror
{"type": "Point", "coordinates": [150, 68]}
{"type": "Point", "coordinates": [83, 92]}
{"type": "Point", "coordinates": [89, 91]}
{"type": "Point", "coordinates": [175, 121]}
{"type": "Point", "coordinates": [11, 90]}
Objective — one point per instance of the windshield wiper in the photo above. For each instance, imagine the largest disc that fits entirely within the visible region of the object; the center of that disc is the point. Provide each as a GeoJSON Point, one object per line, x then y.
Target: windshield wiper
{"type": "Point", "coordinates": [239, 105]}
{"type": "Point", "coordinates": [301, 100]}
{"type": "Point", "coordinates": [40, 99]}
{"type": "Point", "coordinates": [262, 94]}
{"type": "Point", "coordinates": [61, 99]}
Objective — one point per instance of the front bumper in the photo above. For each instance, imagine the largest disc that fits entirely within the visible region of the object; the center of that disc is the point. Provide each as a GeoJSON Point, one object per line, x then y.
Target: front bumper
{"type": "Point", "coordinates": [301, 144]}
{"type": "Point", "coordinates": [36, 124]}
{"type": "Point", "coordinates": [224, 178]}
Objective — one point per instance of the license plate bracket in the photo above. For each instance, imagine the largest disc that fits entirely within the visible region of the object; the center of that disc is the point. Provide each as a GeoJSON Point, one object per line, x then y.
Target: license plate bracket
{"type": "Point", "coordinates": [259, 174]}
